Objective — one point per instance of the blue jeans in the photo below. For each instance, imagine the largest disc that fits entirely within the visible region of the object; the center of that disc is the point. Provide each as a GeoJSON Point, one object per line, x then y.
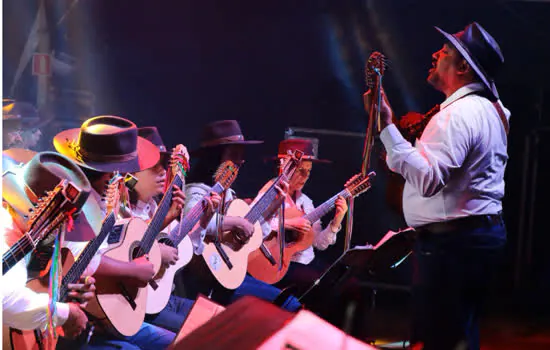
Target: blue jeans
{"type": "Point", "coordinates": [148, 337]}
{"type": "Point", "coordinates": [262, 290]}
{"type": "Point", "coordinates": [173, 315]}
{"type": "Point", "coordinates": [452, 274]}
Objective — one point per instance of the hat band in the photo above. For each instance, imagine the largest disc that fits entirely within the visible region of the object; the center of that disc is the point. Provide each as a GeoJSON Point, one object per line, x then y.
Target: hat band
{"type": "Point", "coordinates": [84, 155]}
{"type": "Point", "coordinates": [223, 140]}
{"type": "Point", "coordinates": [305, 157]}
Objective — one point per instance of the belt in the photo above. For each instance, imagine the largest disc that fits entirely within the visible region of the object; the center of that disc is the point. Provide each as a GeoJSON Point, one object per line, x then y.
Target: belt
{"type": "Point", "coordinates": [465, 223]}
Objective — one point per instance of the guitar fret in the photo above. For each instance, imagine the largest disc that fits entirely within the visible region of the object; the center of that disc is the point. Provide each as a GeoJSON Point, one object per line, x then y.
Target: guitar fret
{"type": "Point", "coordinates": [155, 224]}
{"type": "Point", "coordinates": [191, 219]}
{"type": "Point", "coordinates": [324, 208]}
{"type": "Point", "coordinates": [86, 256]}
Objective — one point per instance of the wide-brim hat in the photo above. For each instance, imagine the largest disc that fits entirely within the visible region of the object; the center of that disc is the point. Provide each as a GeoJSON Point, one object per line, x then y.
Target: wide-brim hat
{"type": "Point", "coordinates": [11, 118]}
{"type": "Point", "coordinates": [481, 51]}
{"type": "Point", "coordinates": [16, 157]}
{"type": "Point", "coordinates": [24, 185]}
{"type": "Point", "coordinates": [222, 132]}
{"type": "Point", "coordinates": [305, 145]}
{"type": "Point", "coordinates": [107, 144]}
{"type": "Point", "coordinates": [152, 134]}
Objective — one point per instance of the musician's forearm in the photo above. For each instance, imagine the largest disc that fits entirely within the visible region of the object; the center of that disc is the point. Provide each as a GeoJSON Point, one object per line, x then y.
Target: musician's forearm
{"type": "Point", "coordinates": [114, 268]}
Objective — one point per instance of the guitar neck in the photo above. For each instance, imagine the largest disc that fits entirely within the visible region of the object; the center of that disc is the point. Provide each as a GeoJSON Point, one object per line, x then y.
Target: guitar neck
{"type": "Point", "coordinates": [46, 223]}
{"type": "Point", "coordinates": [16, 253]}
{"type": "Point", "coordinates": [192, 217]}
{"type": "Point", "coordinates": [86, 256]}
{"type": "Point", "coordinates": [326, 207]}
{"type": "Point", "coordinates": [264, 202]}
{"type": "Point", "coordinates": [155, 224]}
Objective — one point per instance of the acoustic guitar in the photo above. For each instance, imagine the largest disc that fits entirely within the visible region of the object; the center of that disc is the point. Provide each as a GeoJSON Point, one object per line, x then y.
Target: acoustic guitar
{"type": "Point", "coordinates": [225, 256]}
{"type": "Point", "coordinates": [261, 268]}
{"type": "Point", "coordinates": [121, 305]}
{"type": "Point", "coordinates": [71, 271]}
{"type": "Point", "coordinates": [158, 298]}
{"type": "Point", "coordinates": [51, 211]}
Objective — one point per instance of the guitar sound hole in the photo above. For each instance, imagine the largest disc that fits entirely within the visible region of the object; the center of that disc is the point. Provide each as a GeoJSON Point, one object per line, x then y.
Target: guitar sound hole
{"type": "Point", "coordinates": [135, 251]}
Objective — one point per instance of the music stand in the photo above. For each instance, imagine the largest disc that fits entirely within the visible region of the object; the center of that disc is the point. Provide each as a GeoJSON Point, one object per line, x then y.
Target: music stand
{"type": "Point", "coordinates": [389, 252]}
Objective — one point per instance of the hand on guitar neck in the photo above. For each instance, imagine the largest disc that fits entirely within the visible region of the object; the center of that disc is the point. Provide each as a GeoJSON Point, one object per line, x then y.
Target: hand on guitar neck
{"type": "Point", "coordinates": [83, 291]}
{"type": "Point", "coordinates": [386, 112]}
{"type": "Point", "coordinates": [178, 201]}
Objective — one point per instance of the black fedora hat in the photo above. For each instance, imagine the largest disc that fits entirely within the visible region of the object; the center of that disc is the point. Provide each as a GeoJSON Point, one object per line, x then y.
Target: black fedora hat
{"type": "Point", "coordinates": [23, 185]}
{"type": "Point", "coordinates": [304, 145]}
{"type": "Point", "coordinates": [481, 51]}
{"type": "Point", "coordinates": [107, 143]}
{"type": "Point", "coordinates": [222, 132]}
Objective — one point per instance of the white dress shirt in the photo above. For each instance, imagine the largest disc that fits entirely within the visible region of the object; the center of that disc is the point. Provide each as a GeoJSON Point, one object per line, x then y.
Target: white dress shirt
{"type": "Point", "coordinates": [23, 308]}
{"type": "Point", "coordinates": [323, 237]}
{"type": "Point", "coordinates": [456, 169]}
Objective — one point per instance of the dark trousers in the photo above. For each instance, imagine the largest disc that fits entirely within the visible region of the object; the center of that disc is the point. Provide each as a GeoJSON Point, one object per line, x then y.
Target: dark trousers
{"type": "Point", "coordinates": [453, 271]}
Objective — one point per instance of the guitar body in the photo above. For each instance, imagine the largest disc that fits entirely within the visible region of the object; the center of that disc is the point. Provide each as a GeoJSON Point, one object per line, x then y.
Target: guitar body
{"type": "Point", "coordinates": [32, 339]}
{"type": "Point", "coordinates": [158, 298]}
{"type": "Point", "coordinates": [120, 306]}
{"type": "Point", "coordinates": [238, 254]}
{"type": "Point", "coordinates": [258, 265]}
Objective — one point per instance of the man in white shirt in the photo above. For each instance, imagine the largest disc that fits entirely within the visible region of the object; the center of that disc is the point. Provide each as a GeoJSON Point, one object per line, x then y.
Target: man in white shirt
{"type": "Point", "coordinates": [454, 187]}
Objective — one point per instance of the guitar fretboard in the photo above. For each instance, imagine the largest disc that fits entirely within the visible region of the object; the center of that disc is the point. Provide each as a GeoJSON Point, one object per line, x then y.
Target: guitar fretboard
{"type": "Point", "coordinates": [264, 202]}
{"type": "Point", "coordinates": [192, 217]}
{"type": "Point", "coordinates": [327, 206]}
{"type": "Point", "coordinates": [17, 252]}
{"type": "Point", "coordinates": [45, 223]}
{"type": "Point", "coordinates": [158, 218]}
{"type": "Point", "coordinates": [86, 256]}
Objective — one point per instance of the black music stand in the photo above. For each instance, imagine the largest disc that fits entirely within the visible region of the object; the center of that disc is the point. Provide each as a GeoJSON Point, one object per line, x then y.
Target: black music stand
{"type": "Point", "coordinates": [389, 252]}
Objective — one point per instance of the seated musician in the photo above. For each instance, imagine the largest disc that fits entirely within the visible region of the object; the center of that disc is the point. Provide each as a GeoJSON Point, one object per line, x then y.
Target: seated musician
{"type": "Point", "coordinates": [298, 274]}
{"type": "Point", "coordinates": [151, 184]}
{"type": "Point", "coordinates": [221, 141]}
{"type": "Point", "coordinates": [23, 308]}
{"type": "Point", "coordinates": [101, 146]}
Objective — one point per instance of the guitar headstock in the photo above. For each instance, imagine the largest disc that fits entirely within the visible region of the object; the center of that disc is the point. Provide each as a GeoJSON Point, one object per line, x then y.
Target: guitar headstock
{"type": "Point", "coordinates": [44, 203]}
{"type": "Point", "coordinates": [359, 183]}
{"type": "Point", "coordinates": [375, 67]}
{"type": "Point", "coordinates": [115, 188]}
{"type": "Point", "coordinates": [226, 174]}
{"type": "Point", "coordinates": [290, 163]}
{"type": "Point", "coordinates": [179, 160]}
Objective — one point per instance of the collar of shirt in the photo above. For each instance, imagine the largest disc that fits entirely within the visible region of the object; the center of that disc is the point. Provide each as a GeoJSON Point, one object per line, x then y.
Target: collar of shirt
{"type": "Point", "coordinates": [463, 91]}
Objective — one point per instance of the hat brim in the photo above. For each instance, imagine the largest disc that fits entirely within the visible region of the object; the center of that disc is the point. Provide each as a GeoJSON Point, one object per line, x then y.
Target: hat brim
{"type": "Point", "coordinates": [147, 157]}
{"type": "Point", "coordinates": [19, 155]}
{"type": "Point", "coordinates": [202, 149]}
{"type": "Point", "coordinates": [488, 82]}
{"type": "Point", "coordinates": [14, 195]}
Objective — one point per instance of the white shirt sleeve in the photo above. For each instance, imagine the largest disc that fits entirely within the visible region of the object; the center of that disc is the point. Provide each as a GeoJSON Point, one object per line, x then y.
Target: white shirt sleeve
{"type": "Point", "coordinates": [441, 150]}
{"type": "Point", "coordinates": [194, 194]}
{"type": "Point", "coordinates": [323, 237]}
{"type": "Point", "coordinates": [22, 308]}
